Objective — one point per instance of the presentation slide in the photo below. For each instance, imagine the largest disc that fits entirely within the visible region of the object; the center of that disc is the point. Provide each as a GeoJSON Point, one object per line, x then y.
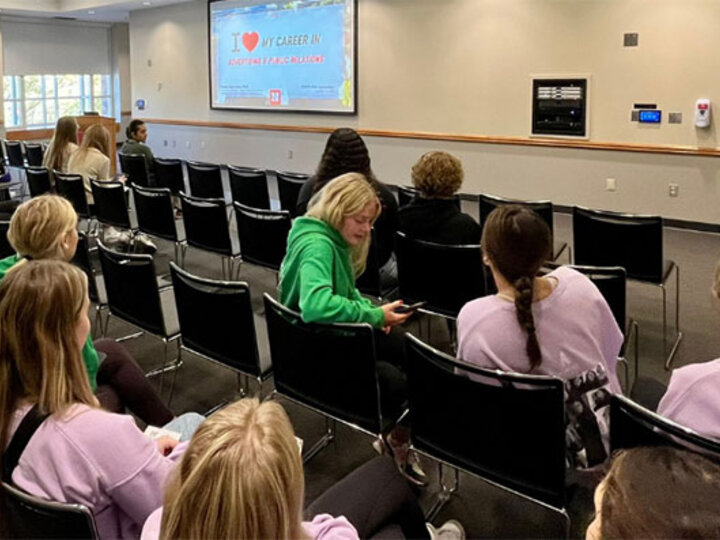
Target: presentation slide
{"type": "Point", "coordinates": [291, 56]}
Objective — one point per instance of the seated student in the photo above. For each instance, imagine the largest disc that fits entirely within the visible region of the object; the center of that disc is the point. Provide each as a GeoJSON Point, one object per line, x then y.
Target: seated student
{"type": "Point", "coordinates": [658, 492]}
{"type": "Point", "coordinates": [434, 215]}
{"type": "Point", "coordinates": [136, 133]}
{"type": "Point", "coordinates": [242, 477]}
{"type": "Point", "coordinates": [62, 145]}
{"type": "Point", "coordinates": [345, 152]}
{"type": "Point", "coordinates": [557, 325]}
{"type": "Point", "coordinates": [92, 159]}
{"type": "Point", "coordinates": [78, 453]}
{"type": "Point", "coordinates": [327, 249]}
{"type": "Point", "coordinates": [691, 398]}
{"type": "Point", "coordinates": [45, 227]}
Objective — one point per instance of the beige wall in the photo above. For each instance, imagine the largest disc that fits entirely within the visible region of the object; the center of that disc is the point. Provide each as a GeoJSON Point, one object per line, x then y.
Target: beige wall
{"type": "Point", "coordinates": [464, 66]}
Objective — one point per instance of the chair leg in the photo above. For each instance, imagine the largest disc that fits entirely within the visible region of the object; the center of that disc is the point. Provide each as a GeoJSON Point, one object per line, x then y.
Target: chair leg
{"type": "Point", "coordinates": [678, 333]}
{"type": "Point", "coordinates": [445, 493]}
{"type": "Point", "coordinates": [324, 441]}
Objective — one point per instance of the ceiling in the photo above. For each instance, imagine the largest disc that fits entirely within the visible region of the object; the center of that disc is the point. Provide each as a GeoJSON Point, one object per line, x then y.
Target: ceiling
{"type": "Point", "coordinates": [86, 10]}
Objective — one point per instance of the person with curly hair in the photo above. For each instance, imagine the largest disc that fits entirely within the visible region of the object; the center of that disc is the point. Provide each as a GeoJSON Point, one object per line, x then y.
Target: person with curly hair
{"type": "Point", "coordinates": [434, 215]}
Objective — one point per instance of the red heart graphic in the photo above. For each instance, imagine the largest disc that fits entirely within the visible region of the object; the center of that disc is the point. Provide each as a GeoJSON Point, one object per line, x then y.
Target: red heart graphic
{"type": "Point", "coordinates": [250, 40]}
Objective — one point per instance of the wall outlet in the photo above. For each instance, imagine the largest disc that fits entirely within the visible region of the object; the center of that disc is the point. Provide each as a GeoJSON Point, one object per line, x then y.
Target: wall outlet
{"type": "Point", "coordinates": [202, 144]}
{"type": "Point", "coordinates": [610, 184]}
{"type": "Point", "coordinates": [187, 144]}
{"type": "Point", "coordinates": [165, 142]}
{"type": "Point", "coordinates": [673, 190]}
{"type": "Point", "coordinates": [290, 154]}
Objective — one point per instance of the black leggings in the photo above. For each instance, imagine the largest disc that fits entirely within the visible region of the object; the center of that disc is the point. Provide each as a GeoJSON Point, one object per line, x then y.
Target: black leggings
{"type": "Point", "coordinates": [391, 373]}
{"type": "Point", "coordinates": [373, 497]}
{"type": "Point", "coordinates": [121, 383]}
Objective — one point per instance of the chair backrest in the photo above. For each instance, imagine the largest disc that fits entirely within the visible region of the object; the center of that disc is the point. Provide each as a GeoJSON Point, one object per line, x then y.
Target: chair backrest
{"type": "Point", "coordinates": [445, 276]}
{"type": "Point", "coordinates": [72, 188]}
{"type": "Point", "coordinates": [110, 203]}
{"type": "Point", "coordinates": [169, 174]}
{"type": "Point", "coordinates": [5, 248]}
{"type": "Point", "coordinates": [81, 258]}
{"type": "Point", "coordinates": [632, 425]}
{"type": "Point", "coordinates": [505, 427]}
{"type": "Point", "coordinates": [369, 281]}
{"type": "Point", "coordinates": [328, 367]}
{"type": "Point", "coordinates": [634, 242]}
{"type": "Point", "coordinates": [132, 289]}
{"type": "Point", "coordinates": [38, 180]}
{"type": "Point", "coordinates": [262, 234]}
{"type": "Point", "coordinates": [14, 153]}
{"type": "Point", "coordinates": [488, 203]}
{"type": "Point", "coordinates": [289, 185]}
{"type": "Point", "coordinates": [154, 211]}
{"type": "Point", "coordinates": [34, 154]}
{"type": "Point", "coordinates": [206, 224]}
{"type": "Point", "coordinates": [611, 281]}
{"type": "Point", "coordinates": [216, 320]}
{"type": "Point", "coordinates": [249, 187]}
{"type": "Point", "coordinates": [134, 167]}
{"type": "Point", "coordinates": [205, 180]}
{"type": "Point", "coordinates": [31, 517]}
{"type": "Point", "coordinates": [406, 194]}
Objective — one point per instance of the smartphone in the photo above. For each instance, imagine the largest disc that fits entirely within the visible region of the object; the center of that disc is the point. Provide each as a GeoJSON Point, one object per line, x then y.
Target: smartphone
{"type": "Point", "coordinates": [410, 308]}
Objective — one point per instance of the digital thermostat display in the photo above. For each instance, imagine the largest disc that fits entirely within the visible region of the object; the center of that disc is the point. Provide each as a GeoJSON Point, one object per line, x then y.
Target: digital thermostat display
{"type": "Point", "coordinates": [650, 117]}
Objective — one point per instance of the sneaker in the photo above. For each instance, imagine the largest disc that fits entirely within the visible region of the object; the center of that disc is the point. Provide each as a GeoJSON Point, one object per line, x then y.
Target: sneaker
{"type": "Point", "coordinates": [450, 530]}
{"type": "Point", "coordinates": [407, 461]}
{"type": "Point", "coordinates": [148, 246]}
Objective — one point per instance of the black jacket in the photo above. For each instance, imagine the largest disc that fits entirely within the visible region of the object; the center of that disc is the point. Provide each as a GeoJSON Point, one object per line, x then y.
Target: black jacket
{"type": "Point", "coordinates": [439, 221]}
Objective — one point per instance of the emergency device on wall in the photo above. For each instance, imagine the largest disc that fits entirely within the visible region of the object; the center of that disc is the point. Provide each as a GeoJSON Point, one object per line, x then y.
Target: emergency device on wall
{"type": "Point", "coordinates": [702, 113]}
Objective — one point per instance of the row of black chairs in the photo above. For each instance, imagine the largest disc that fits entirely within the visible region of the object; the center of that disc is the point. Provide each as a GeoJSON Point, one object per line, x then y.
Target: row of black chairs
{"type": "Point", "coordinates": [20, 154]}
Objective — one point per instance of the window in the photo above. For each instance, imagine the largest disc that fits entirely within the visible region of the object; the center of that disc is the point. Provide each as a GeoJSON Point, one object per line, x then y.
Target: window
{"type": "Point", "coordinates": [37, 101]}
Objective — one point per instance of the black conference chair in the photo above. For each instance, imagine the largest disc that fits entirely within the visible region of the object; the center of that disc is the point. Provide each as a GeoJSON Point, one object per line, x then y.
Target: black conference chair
{"type": "Point", "coordinates": [445, 276]}
{"type": "Point", "coordinates": [289, 184]}
{"type": "Point", "coordinates": [38, 180]}
{"type": "Point", "coordinates": [249, 187]}
{"type": "Point", "coordinates": [156, 217]}
{"type": "Point", "coordinates": [488, 203]}
{"type": "Point", "coordinates": [96, 287]}
{"type": "Point", "coordinates": [262, 235]}
{"type": "Point", "coordinates": [328, 368]}
{"type": "Point", "coordinates": [5, 248]}
{"type": "Point", "coordinates": [135, 169]}
{"type": "Point", "coordinates": [110, 204]}
{"type": "Point", "coordinates": [72, 188]}
{"type": "Point", "coordinates": [506, 428]}
{"type": "Point", "coordinates": [34, 154]}
{"type": "Point", "coordinates": [15, 156]}
{"type": "Point", "coordinates": [205, 180]}
{"type": "Point", "coordinates": [134, 296]}
{"type": "Point", "coordinates": [28, 516]}
{"type": "Point", "coordinates": [406, 194]}
{"type": "Point", "coordinates": [206, 228]}
{"type": "Point", "coordinates": [169, 174]}
{"type": "Point", "coordinates": [217, 324]}
{"type": "Point", "coordinates": [631, 425]}
{"type": "Point", "coordinates": [368, 282]}
{"type": "Point", "coordinates": [634, 242]}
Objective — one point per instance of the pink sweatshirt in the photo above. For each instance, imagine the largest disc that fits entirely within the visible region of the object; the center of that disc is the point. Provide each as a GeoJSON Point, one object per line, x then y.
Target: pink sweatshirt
{"type": "Point", "coordinates": [99, 459]}
{"type": "Point", "coordinates": [692, 400]}
{"type": "Point", "coordinates": [574, 325]}
{"type": "Point", "coordinates": [322, 527]}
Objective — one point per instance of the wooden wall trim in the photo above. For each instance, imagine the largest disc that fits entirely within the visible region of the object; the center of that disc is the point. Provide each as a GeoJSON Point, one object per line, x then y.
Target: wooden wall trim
{"type": "Point", "coordinates": [455, 137]}
{"type": "Point", "coordinates": [35, 134]}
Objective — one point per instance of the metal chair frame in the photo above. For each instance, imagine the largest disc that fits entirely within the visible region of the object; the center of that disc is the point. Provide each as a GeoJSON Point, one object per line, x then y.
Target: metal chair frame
{"type": "Point", "coordinates": [180, 245]}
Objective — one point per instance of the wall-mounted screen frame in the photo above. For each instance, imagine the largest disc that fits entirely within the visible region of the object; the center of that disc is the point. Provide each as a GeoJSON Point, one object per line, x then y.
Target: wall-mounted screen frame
{"type": "Point", "coordinates": [559, 107]}
{"type": "Point", "coordinates": [298, 56]}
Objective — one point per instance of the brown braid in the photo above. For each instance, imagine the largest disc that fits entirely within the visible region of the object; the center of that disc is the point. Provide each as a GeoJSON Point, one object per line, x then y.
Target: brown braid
{"type": "Point", "coordinates": [523, 306]}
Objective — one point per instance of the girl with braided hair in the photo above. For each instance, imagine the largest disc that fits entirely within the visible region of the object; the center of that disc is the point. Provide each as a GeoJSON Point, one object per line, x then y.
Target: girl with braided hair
{"type": "Point", "coordinates": [558, 325]}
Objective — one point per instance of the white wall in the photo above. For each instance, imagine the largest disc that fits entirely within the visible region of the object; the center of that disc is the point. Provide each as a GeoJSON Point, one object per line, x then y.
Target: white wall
{"type": "Point", "coordinates": [464, 66]}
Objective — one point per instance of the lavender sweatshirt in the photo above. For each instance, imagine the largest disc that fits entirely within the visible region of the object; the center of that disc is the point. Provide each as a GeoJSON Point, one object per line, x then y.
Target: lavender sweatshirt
{"type": "Point", "coordinates": [574, 325]}
{"type": "Point", "coordinates": [99, 459]}
{"type": "Point", "coordinates": [322, 527]}
{"type": "Point", "coordinates": [692, 400]}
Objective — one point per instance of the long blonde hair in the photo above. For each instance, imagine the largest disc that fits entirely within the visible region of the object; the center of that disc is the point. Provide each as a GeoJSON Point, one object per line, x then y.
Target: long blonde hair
{"type": "Point", "coordinates": [241, 477]}
{"type": "Point", "coordinates": [39, 226]}
{"type": "Point", "coordinates": [96, 136]}
{"type": "Point", "coordinates": [66, 132]}
{"type": "Point", "coordinates": [345, 196]}
{"type": "Point", "coordinates": [40, 360]}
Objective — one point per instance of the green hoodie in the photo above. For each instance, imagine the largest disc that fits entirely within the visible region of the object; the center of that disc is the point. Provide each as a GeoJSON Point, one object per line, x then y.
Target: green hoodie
{"type": "Point", "coordinates": [317, 279]}
{"type": "Point", "coordinates": [90, 355]}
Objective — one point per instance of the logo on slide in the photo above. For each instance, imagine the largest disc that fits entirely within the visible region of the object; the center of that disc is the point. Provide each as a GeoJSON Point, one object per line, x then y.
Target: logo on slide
{"type": "Point", "coordinates": [275, 97]}
{"type": "Point", "coordinates": [250, 40]}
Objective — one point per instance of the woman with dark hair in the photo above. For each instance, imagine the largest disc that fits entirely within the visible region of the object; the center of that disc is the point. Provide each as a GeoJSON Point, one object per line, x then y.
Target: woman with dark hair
{"type": "Point", "coordinates": [558, 324]}
{"type": "Point", "coordinates": [136, 133]}
{"type": "Point", "coordinates": [345, 152]}
{"type": "Point", "coordinates": [658, 492]}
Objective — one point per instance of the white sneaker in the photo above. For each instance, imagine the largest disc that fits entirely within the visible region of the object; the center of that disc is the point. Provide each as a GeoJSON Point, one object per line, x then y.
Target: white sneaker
{"type": "Point", "coordinates": [450, 530]}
